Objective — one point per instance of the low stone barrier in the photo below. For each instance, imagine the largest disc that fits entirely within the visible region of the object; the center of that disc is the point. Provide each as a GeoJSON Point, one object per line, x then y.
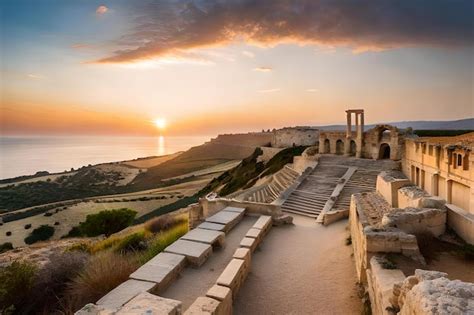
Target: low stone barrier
{"type": "Point", "coordinates": [417, 221]}
{"type": "Point", "coordinates": [462, 222]}
{"type": "Point", "coordinates": [388, 184]}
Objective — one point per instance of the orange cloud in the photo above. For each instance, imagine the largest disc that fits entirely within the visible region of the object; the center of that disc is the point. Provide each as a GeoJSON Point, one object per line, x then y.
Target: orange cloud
{"type": "Point", "coordinates": [167, 27]}
{"type": "Point", "coordinates": [102, 9]}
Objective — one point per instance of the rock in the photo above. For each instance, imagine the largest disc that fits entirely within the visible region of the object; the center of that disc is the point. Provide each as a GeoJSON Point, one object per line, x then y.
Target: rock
{"type": "Point", "coordinates": [146, 303]}
{"type": "Point", "coordinates": [283, 219]}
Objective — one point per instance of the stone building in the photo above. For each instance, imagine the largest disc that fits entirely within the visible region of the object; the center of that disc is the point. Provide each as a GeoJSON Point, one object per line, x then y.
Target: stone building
{"type": "Point", "coordinates": [444, 167]}
{"type": "Point", "coordinates": [288, 137]}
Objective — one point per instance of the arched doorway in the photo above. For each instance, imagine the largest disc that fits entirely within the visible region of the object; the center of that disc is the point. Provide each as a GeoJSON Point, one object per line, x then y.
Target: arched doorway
{"type": "Point", "coordinates": [353, 148]}
{"type": "Point", "coordinates": [339, 147]}
{"type": "Point", "coordinates": [384, 152]}
{"type": "Point", "coordinates": [327, 147]}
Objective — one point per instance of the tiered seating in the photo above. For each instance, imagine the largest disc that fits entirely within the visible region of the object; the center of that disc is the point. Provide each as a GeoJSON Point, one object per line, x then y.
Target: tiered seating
{"type": "Point", "coordinates": [281, 180]}
{"type": "Point", "coordinates": [313, 193]}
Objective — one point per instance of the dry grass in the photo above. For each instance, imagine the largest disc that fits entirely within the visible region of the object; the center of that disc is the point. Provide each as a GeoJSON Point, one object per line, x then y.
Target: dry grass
{"type": "Point", "coordinates": [104, 272]}
{"type": "Point", "coordinates": [164, 222]}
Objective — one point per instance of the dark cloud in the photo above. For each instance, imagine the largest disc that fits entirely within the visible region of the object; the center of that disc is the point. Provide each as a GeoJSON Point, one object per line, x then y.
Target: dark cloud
{"type": "Point", "coordinates": [174, 27]}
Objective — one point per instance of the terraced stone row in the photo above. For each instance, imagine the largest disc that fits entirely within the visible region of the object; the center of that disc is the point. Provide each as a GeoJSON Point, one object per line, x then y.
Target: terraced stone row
{"type": "Point", "coordinates": [311, 196]}
{"type": "Point", "coordinates": [280, 182]}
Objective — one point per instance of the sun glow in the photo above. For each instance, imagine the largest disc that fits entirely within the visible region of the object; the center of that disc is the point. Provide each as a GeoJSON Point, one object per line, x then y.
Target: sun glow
{"type": "Point", "coordinates": [160, 123]}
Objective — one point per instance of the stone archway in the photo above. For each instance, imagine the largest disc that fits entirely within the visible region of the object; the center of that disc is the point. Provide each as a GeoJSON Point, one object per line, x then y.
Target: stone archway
{"type": "Point", "coordinates": [339, 147]}
{"type": "Point", "coordinates": [353, 148]}
{"type": "Point", "coordinates": [384, 151]}
{"type": "Point", "coordinates": [327, 146]}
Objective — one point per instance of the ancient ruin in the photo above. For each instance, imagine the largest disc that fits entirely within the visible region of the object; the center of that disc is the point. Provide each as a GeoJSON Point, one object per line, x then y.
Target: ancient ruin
{"type": "Point", "coordinates": [396, 189]}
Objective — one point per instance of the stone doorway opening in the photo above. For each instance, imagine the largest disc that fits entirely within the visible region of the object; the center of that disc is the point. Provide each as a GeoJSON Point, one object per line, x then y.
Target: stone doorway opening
{"type": "Point", "coordinates": [339, 147]}
{"type": "Point", "coordinates": [353, 148]}
{"type": "Point", "coordinates": [384, 152]}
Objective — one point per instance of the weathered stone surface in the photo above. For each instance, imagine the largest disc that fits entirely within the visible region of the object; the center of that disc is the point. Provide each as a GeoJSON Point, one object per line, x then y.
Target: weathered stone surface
{"type": "Point", "coordinates": [224, 296]}
{"type": "Point", "coordinates": [416, 220]}
{"type": "Point", "coordinates": [249, 243]}
{"type": "Point", "coordinates": [244, 254]}
{"type": "Point", "coordinates": [146, 303]}
{"type": "Point", "coordinates": [254, 233]}
{"type": "Point", "coordinates": [234, 209]}
{"type": "Point", "coordinates": [233, 276]}
{"type": "Point", "coordinates": [162, 269]}
{"type": "Point", "coordinates": [429, 292]}
{"type": "Point", "coordinates": [195, 253]}
{"type": "Point", "coordinates": [214, 238]}
{"type": "Point", "coordinates": [92, 309]}
{"type": "Point", "coordinates": [203, 305]}
{"type": "Point", "coordinates": [124, 293]}
{"type": "Point", "coordinates": [264, 223]}
{"type": "Point", "coordinates": [228, 218]}
{"type": "Point", "coordinates": [283, 219]}
{"type": "Point", "coordinates": [212, 226]}
{"type": "Point", "coordinates": [388, 183]}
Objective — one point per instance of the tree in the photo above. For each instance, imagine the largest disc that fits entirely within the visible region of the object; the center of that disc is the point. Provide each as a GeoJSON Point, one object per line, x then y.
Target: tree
{"type": "Point", "coordinates": [107, 222]}
{"type": "Point", "coordinates": [43, 233]}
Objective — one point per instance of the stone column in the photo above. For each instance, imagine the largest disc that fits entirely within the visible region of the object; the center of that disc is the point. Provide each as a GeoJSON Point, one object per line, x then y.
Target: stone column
{"type": "Point", "coordinates": [347, 143]}
{"type": "Point", "coordinates": [449, 190]}
{"type": "Point", "coordinates": [359, 135]}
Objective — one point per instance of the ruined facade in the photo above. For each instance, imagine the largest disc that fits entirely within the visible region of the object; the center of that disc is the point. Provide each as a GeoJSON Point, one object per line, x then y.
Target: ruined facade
{"type": "Point", "coordinates": [380, 142]}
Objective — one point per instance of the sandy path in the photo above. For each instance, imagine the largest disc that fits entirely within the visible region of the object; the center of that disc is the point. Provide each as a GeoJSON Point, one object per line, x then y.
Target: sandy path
{"type": "Point", "coordinates": [301, 269]}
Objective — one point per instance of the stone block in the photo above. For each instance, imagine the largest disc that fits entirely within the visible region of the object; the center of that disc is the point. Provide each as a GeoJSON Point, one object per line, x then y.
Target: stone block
{"type": "Point", "coordinates": [212, 226]}
{"type": "Point", "coordinates": [203, 305]}
{"type": "Point", "coordinates": [124, 293]}
{"type": "Point", "coordinates": [233, 276]}
{"type": "Point", "coordinates": [244, 254]}
{"type": "Point", "coordinates": [224, 296]}
{"type": "Point", "coordinates": [227, 218]}
{"type": "Point", "coordinates": [196, 253]}
{"type": "Point", "coordinates": [264, 223]}
{"type": "Point", "coordinates": [283, 219]}
{"type": "Point", "coordinates": [146, 303]}
{"type": "Point", "coordinates": [234, 209]}
{"type": "Point", "coordinates": [214, 238]}
{"type": "Point", "coordinates": [256, 234]}
{"type": "Point", "coordinates": [250, 243]}
{"type": "Point", "coordinates": [92, 309]}
{"type": "Point", "coordinates": [162, 269]}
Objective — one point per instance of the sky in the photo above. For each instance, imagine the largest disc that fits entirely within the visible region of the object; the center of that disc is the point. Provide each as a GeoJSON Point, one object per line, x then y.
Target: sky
{"type": "Point", "coordinates": [208, 67]}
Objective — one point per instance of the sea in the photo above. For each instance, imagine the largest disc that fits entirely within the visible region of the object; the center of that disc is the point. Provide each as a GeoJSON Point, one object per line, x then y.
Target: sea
{"type": "Point", "coordinates": [28, 155]}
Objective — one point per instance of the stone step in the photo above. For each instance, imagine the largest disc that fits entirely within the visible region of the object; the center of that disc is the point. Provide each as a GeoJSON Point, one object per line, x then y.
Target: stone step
{"type": "Point", "coordinates": [314, 216]}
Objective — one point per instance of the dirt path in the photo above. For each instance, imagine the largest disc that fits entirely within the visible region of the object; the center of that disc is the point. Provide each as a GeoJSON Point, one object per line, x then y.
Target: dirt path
{"type": "Point", "coordinates": [301, 269]}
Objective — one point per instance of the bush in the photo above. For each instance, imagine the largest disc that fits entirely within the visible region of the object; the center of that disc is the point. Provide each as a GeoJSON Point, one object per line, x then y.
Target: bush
{"type": "Point", "coordinates": [52, 282]}
{"type": "Point", "coordinates": [42, 233]}
{"type": "Point", "coordinates": [132, 242]}
{"type": "Point", "coordinates": [27, 226]}
{"type": "Point", "coordinates": [163, 222]}
{"type": "Point", "coordinates": [16, 282]}
{"type": "Point", "coordinates": [102, 273]}
{"type": "Point", "coordinates": [56, 223]}
{"type": "Point", "coordinates": [5, 247]}
{"type": "Point", "coordinates": [107, 222]}
{"type": "Point", "coordinates": [48, 214]}
{"type": "Point", "coordinates": [8, 233]}
{"type": "Point", "coordinates": [163, 240]}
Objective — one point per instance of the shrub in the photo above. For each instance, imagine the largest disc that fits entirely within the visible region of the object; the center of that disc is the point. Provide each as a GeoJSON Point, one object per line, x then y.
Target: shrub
{"type": "Point", "coordinates": [9, 233]}
{"type": "Point", "coordinates": [163, 240]}
{"type": "Point", "coordinates": [56, 223]}
{"type": "Point", "coordinates": [16, 281]}
{"type": "Point", "coordinates": [102, 273]}
{"type": "Point", "coordinates": [107, 222]}
{"type": "Point", "coordinates": [348, 240]}
{"type": "Point", "coordinates": [74, 232]}
{"type": "Point", "coordinates": [52, 281]}
{"type": "Point", "coordinates": [132, 242]}
{"type": "Point", "coordinates": [163, 222]}
{"type": "Point", "coordinates": [5, 247]}
{"type": "Point", "coordinates": [27, 226]}
{"type": "Point", "coordinates": [42, 233]}
{"type": "Point", "coordinates": [48, 214]}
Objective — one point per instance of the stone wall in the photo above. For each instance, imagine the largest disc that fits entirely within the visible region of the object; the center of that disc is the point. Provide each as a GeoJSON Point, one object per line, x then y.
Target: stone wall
{"type": "Point", "coordinates": [288, 137]}
{"type": "Point", "coordinates": [380, 285]}
{"type": "Point", "coordinates": [252, 139]}
{"type": "Point", "coordinates": [388, 184]}
{"type": "Point", "coordinates": [417, 220]}
{"type": "Point", "coordinates": [267, 154]}
{"type": "Point", "coordinates": [461, 222]}
{"type": "Point", "coordinates": [211, 206]}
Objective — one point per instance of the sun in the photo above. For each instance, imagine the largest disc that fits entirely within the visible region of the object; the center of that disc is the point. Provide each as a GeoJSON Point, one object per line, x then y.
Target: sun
{"type": "Point", "coordinates": [160, 123]}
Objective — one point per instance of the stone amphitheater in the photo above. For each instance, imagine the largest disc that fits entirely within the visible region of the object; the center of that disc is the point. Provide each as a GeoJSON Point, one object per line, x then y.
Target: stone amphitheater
{"type": "Point", "coordinates": [278, 247]}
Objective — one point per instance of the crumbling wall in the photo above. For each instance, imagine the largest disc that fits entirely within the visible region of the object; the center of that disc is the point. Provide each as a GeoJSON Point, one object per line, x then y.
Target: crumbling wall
{"type": "Point", "coordinates": [288, 137]}
{"type": "Point", "coordinates": [212, 206]}
{"type": "Point", "coordinates": [417, 220]}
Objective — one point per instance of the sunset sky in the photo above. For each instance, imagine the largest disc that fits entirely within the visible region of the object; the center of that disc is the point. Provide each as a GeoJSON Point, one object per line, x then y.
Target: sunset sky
{"type": "Point", "coordinates": [206, 67]}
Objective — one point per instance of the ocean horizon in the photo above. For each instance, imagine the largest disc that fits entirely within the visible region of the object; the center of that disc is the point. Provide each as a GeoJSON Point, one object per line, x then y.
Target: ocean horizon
{"type": "Point", "coordinates": [26, 155]}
